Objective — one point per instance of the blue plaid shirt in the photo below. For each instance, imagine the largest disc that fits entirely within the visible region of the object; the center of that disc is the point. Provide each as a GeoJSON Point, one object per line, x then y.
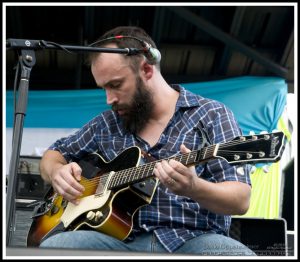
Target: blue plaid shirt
{"type": "Point", "coordinates": [196, 121]}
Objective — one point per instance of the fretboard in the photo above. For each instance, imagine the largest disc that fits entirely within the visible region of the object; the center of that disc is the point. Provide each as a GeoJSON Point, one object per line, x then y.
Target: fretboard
{"type": "Point", "coordinates": [135, 174]}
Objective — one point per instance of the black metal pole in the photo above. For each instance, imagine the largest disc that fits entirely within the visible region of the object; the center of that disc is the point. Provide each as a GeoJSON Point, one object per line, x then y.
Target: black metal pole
{"type": "Point", "coordinates": [27, 62]}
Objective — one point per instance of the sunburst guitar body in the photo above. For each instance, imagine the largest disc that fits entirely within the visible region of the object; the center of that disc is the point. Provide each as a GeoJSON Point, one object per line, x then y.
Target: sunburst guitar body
{"type": "Point", "coordinates": [116, 190]}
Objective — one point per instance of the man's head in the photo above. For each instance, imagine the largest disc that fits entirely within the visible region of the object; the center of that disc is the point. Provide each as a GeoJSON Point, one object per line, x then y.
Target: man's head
{"type": "Point", "coordinates": [126, 81]}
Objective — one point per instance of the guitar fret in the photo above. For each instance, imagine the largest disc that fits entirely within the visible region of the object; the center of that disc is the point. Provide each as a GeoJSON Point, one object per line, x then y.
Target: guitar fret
{"type": "Point", "coordinates": [191, 158]}
{"type": "Point", "coordinates": [136, 175]}
{"type": "Point", "coordinates": [127, 175]}
{"type": "Point", "coordinates": [119, 176]}
{"type": "Point", "coordinates": [142, 171]}
{"type": "Point", "coordinates": [151, 170]}
{"type": "Point", "coordinates": [180, 158]}
{"type": "Point", "coordinates": [145, 171]}
{"type": "Point", "coordinates": [114, 179]}
{"type": "Point", "coordinates": [187, 159]}
{"type": "Point", "coordinates": [123, 176]}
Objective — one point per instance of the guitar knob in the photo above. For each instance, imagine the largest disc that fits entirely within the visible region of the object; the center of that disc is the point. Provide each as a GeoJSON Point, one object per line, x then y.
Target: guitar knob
{"type": "Point", "coordinates": [90, 215]}
{"type": "Point", "coordinates": [99, 215]}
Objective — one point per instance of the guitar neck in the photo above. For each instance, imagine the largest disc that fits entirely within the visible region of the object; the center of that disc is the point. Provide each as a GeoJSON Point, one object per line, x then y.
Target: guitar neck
{"type": "Point", "coordinates": [242, 149]}
{"type": "Point", "coordinates": [135, 174]}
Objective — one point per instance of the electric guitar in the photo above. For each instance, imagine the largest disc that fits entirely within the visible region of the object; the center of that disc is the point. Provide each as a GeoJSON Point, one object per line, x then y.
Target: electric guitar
{"type": "Point", "coordinates": [115, 190]}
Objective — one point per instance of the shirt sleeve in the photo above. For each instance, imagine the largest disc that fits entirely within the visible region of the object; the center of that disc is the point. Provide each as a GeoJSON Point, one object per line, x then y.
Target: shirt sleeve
{"type": "Point", "coordinates": [221, 126]}
{"type": "Point", "coordinates": [78, 144]}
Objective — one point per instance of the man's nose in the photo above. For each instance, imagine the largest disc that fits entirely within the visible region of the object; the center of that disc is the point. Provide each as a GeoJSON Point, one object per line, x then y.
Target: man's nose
{"type": "Point", "coordinates": [110, 97]}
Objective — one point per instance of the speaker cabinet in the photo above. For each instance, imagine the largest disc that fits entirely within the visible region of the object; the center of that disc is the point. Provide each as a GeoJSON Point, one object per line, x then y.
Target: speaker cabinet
{"type": "Point", "coordinates": [288, 195]}
{"type": "Point", "coordinates": [30, 185]}
{"type": "Point", "coordinates": [266, 237]}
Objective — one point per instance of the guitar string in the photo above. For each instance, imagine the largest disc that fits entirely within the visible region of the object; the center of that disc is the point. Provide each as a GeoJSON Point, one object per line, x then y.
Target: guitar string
{"type": "Point", "coordinates": [148, 167]}
{"type": "Point", "coordinates": [121, 175]}
{"type": "Point", "coordinates": [210, 149]}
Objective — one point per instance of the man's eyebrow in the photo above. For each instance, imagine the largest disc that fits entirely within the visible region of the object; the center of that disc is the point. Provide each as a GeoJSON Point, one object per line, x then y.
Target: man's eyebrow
{"type": "Point", "coordinates": [112, 81]}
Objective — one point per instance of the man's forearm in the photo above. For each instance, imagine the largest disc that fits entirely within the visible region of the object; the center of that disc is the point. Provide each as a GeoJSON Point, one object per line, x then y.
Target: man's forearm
{"type": "Point", "coordinates": [50, 161]}
{"type": "Point", "coordinates": [228, 198]}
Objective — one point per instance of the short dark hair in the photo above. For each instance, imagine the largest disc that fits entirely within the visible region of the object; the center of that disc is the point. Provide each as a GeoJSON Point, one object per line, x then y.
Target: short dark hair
{"type": "Point", "coordinates": [132, 31]}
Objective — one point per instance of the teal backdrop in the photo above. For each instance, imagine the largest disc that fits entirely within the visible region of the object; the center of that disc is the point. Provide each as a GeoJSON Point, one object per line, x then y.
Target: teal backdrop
{"type": "Point", "coordinates": [257, 103]}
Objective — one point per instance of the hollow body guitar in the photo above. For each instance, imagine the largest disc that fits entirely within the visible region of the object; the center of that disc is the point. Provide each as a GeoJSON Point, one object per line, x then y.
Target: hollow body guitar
{"type": "Point", "coordinates": [116, 190]}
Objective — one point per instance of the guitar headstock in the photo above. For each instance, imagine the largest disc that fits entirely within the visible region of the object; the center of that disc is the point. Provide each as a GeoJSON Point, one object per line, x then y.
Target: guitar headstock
{"type": "Point", "coordinates": [253, 148]}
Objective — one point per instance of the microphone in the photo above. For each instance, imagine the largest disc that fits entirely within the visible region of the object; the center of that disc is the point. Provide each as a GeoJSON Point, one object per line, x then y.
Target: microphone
{"type": "Point", "coordinates": [152, 55]}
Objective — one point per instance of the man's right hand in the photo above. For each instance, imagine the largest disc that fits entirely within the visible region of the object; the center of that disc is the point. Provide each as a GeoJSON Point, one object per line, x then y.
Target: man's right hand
{"type": "Point", "coordinates": [65, 181]}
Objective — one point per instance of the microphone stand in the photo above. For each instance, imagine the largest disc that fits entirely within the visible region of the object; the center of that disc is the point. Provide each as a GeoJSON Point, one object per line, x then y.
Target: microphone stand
{"type": "Point", "coordinates": [27, 61]}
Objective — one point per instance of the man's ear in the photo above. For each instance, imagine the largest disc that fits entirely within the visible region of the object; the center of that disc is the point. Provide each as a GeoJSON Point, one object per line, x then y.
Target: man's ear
{"type": "Point", "coordinates": [147, 70]}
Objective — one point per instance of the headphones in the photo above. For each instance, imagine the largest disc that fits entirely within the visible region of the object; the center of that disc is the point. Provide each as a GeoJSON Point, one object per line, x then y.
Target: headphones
{"type": "Point", "coordinates": [151, 54]}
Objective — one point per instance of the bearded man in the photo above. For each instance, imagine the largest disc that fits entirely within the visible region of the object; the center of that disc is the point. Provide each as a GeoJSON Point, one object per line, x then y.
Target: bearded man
{"type": "Point", "coordinates": [190, 208]}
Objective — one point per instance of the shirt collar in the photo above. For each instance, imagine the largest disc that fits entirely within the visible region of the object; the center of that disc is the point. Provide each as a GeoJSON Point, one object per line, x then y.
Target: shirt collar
{"type": "Point", "coordinates": [186, 98]}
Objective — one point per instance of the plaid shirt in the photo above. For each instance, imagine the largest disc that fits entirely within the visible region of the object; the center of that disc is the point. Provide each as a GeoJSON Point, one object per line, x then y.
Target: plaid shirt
{"type": "Point", "coordinates": [197, 120]}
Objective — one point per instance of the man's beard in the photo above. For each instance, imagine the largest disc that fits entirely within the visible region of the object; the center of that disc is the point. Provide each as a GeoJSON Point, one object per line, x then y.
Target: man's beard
{"type": "Point", "coordinates": [138, 112]}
